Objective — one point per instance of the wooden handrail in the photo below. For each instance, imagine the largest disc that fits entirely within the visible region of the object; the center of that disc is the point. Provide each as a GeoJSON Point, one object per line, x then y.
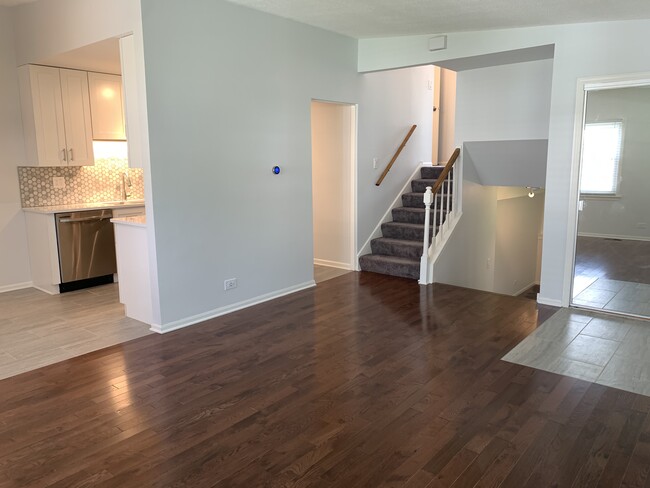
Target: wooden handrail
{"type": "Point", "coordinates": [445, 172]}
{"type": "Point", "coordinates": [396, 155]}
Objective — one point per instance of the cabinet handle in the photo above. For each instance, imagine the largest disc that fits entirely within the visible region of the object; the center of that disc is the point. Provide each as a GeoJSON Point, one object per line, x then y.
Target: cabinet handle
{"type": "Point", "coordinates": [71, 154]}
{"type": "Point", "coordinates": [65, 155]}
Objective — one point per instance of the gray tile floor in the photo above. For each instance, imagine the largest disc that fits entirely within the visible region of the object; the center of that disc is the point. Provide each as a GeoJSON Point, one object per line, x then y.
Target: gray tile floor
{"type": "Point", "coordinates": [603, 349]}
{"type": "Point", "coordinates": [613, 295]}
{"type": "Point", "coordinates": [37, 329]}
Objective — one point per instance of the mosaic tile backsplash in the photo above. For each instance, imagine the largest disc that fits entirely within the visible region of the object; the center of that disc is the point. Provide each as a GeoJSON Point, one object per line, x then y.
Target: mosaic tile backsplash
{"type": "Point", "coordinates": [83, 184]}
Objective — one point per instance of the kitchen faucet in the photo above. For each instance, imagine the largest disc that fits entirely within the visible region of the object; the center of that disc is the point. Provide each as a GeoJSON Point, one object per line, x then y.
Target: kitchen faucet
{"type": "Point", "coordinates": [126, 181]}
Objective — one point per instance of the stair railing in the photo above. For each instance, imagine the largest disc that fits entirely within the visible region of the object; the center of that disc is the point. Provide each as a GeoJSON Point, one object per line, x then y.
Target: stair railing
{"type": "Point", "coordinates": [442, 188]}
{"type": "Point", "coordinates": [396, 155]}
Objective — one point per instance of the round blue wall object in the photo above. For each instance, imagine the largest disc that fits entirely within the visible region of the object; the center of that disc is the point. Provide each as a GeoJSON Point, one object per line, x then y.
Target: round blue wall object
{"type": "Point", "coordinates": [276, 170]}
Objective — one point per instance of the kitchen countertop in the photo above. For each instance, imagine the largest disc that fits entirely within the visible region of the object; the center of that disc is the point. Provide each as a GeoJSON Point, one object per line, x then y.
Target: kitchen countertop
{"type": "Point", "coordinates": [75, 207]}
{"type": "Point", "coordinates": [135, 220]}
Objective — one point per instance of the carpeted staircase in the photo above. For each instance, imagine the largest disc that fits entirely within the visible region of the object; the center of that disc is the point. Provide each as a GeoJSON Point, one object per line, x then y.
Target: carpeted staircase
{"type": "Point", "coordinates": [398, 252]}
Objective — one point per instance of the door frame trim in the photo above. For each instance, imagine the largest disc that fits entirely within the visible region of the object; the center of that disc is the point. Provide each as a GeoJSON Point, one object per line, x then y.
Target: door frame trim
{"type": "Point", "coordinates": [354, 125]}
{"type": "Point", "coordinates": [585, 85]}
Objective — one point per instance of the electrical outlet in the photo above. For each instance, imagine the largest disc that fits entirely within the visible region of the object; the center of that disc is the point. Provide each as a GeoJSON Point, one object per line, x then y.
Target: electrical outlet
{"type": "Point", "coordinates": [230, 284]}
{"type": "Point", "coordinates": [488, 263]}
{"type": "Point", "coordinates": [58, 181]}
{"type": "Point", "coordinates": [374, 163]}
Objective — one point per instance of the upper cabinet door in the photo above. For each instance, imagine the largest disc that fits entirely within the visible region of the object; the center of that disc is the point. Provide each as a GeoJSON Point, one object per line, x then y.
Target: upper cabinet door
{"type": "Point", "coordinates": [40, 93]}
{"type": "Point", "coordinates": [107, 107]}
{"type": "Point", "coordinates": [76, 115]}
{"type": "Point", "coordinates": [56, 116]}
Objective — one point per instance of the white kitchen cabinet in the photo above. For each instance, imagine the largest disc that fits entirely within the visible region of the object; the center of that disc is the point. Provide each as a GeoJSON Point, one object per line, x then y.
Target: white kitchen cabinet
{"type": "Point", "coordinates": [43, 252]}
{"type": "Point", "coordinates": [128, 212]}
{"type": "Point", "coordinates": [106, 107]}
{"type": "Point", "coordinates": [56, 116]}
{"type": "Point", "coordinates": [76, 117]}
{"type": "Point", "coordinates": [131, 250]}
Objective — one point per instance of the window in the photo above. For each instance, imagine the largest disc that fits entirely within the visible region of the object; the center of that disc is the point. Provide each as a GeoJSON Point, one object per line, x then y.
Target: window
{"type": "Point", "coordinates": [601, 155]}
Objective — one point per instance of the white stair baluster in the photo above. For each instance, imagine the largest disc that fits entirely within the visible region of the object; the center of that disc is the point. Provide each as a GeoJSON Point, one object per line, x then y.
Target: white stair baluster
{"type": "Point", "coordinates": [449, 182]}
{"type": "Point", "coordinates": [424, 260]}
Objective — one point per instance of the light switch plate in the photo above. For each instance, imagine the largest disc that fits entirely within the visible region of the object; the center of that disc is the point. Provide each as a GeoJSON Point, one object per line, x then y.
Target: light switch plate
{"type": "Point", "coordinates": [58, 181]}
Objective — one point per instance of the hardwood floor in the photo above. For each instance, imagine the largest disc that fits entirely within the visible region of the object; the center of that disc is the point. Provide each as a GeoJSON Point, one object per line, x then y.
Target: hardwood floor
{"type": "Point", "coordinates": [365, 380]}
{"type": "Point", "coordinates": [612, 275]}
{"type": "Point", "coordinates": [613, 259]}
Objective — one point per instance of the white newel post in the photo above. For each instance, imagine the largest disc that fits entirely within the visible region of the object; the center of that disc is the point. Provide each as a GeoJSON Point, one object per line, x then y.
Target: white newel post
{"type": "Point", "coordinates": [424, 260]}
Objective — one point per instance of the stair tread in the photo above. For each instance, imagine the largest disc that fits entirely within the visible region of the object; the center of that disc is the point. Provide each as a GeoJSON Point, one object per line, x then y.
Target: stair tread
{"type": "Point", "coordinates": [406, 242]}
{"type": "Point", "coordinates": [418, 210]}
{"type": "Point", "coordinates": [391, 265]}
{"type": "Point", "coordinates": [411, 209]}
{"type": "Point", "coordinates": [392, 259]}
{"type": "Point", "coordinates": [406, 224]}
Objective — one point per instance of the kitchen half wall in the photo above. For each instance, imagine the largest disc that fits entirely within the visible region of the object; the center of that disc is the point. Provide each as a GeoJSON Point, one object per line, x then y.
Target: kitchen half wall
{"type": "Point", "coordinates": [83, 184]}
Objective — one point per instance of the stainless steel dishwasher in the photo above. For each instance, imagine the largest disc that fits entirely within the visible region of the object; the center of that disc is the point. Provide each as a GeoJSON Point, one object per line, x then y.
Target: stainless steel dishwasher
{"type": "Point", "coordinates": [86, 248]}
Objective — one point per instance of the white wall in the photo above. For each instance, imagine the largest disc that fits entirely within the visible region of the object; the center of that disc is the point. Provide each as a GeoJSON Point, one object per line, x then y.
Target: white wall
{"type": "Point", "coordinates": [581, 50]}
{"type": "Point", "coordinates": [503, 103]}
{"type": "Point", "coordinates": [628, 215]}
{"type": "Point", "coordinates": [518, 225]}
{"type": "Point", "coordinates": [14, 265]}
{"type": "Point", "coordinates": [520, 162]}
{"type": "Point", "coordinates": [229, 97]}
{"type": "Point", "coordinates": [332, 166]}
{"type": "Point", "coordinates": [490, 106]}
{"type": "Point", "coordinates": [49, 27]}
{"type": "Point", "coordinates": [498, 236]}
{"type": "Point", "coordinates": [446, 141]}
{"type": "Point", "coordinates": [468, 258]}
{"type": "Point", "coordinates": [390, 103]}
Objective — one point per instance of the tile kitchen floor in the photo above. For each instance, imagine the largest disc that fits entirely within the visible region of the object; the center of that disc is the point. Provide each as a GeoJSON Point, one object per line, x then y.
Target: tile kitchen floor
{"type": "Point", "coordinates": [615, 296]}
{"type": "Point", "coordinates": [606, 350]}
{"type": "Point", "coordinates": [37, 329]}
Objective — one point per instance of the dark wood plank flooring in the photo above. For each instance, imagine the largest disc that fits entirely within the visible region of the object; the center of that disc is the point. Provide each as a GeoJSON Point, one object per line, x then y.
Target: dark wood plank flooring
{"type": "Point", "coordinates": [613, 259]}
{"type": "Point", "coordinates": [365, 381]}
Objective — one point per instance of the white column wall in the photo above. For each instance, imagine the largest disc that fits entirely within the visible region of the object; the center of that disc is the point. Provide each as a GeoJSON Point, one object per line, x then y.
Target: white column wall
{"type": "Point", "coordinates": [14, 264]}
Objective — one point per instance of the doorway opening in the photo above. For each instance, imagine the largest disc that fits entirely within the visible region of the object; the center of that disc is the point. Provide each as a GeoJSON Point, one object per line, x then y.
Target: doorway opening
{"type": "Point", "coordinates": [611, 248]}
{"type": "Point", "coordinates": [334, 161]}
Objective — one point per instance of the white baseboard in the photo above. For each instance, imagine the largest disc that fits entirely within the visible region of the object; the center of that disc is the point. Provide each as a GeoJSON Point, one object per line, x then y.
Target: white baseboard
{"type": "Point", "coordinates": [217, 312]}
{"type": "Point", "coordinates": [333, 264]}
{"type": "Point", "coordinates": [548, 301]}
{"type": "Point", "coordinates": [612, 236]}
{"type": "Point", "coordinates": [16, 286]}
